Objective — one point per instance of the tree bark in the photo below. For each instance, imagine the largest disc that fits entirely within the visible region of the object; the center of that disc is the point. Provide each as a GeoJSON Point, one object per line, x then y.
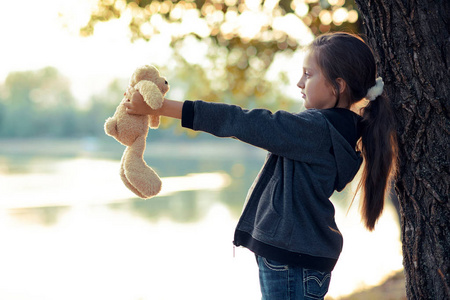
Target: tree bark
{"type": "Point", "coordinates": [411, 41]}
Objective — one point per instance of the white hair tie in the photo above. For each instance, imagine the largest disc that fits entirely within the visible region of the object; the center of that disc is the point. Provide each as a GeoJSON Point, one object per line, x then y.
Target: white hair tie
{"type": "Point", "coordinates": [376, 90]}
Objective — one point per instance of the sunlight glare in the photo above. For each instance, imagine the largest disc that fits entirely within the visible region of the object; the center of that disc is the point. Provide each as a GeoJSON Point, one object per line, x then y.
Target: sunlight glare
{"type": "Point", "coordinates": [69, 183]}
{"type": "Point", "coordinates": [352, 16]}
{"type": "Point", "coordinates": [192, 182]}
{"type": "Point", "coordinates": [340, 16]}
{"type": "Point", "coordinates": [75, 14]}
{"type": "Point", "coordinates": [292, 25]}
{"type": "Point", "coordinates": [270, 5]}
{"type": "Point", "coordinates": [191, 23]}
{"type": "Point", "coordinates": [253, 5]}
{"type": "Point", "coordinates": [230, 2]}
{"type": "Point", "coordinates": [50, 38]}
{"type": "Point", "coordinates": [250, 23]}
{"type": "Point", "coordinates": [301, 9]}
{"type": "Point", "coordinates": [215, 17]}
{"type": "Point", "coordinates": [194, 51]}
{"type": "Point", "coordinates": [325, 17]}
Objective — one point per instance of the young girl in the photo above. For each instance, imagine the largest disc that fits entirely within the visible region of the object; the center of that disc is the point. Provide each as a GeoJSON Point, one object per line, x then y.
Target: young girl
{"type": "Point", "coordinates": [288, 220]}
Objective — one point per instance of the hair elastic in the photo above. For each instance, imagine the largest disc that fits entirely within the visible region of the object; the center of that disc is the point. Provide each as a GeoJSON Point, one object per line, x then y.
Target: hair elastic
{"type": "Point", "coordinates": [376, 90]}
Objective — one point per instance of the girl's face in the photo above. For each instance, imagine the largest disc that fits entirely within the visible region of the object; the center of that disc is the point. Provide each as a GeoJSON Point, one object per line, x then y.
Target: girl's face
{"type": "Point", "coordinates": [317, 92]}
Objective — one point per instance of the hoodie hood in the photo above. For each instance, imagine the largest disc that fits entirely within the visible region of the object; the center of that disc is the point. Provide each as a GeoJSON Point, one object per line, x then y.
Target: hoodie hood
{"type": "Point", "coordinates": [343, 126]}
{"type": "Point", "coordinates": [348, 160]}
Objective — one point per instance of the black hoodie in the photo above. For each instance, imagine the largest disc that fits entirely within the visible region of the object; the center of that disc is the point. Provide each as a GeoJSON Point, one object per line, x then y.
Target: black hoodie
{"type": "Point", "coordinates": [288, 216]}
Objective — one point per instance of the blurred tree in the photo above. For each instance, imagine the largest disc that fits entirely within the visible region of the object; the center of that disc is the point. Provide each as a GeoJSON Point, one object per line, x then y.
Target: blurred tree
{"type": "Point", "coordinates": [243, 36]}
{"type": "Point", "coordinates": [228, 19]}
{"type": "Point", "coordinates": [101, 107]}
{"type": "Point", "coordinates": [37, 103]}
{"type": "Point", "coordinates": [411, 40]}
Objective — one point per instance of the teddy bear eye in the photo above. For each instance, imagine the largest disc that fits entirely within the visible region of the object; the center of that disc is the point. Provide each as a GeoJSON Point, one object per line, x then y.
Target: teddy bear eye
{"type": "Point", "coordinates": [165, 82]}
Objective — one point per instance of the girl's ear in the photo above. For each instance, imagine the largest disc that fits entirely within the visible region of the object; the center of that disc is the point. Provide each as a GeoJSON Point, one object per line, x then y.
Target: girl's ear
{"type": "Point", "coordinates": [342, 85]}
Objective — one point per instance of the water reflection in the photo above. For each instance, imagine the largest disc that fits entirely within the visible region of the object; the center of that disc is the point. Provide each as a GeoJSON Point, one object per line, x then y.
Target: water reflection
{"type": "Point", "coordinates": [71, 230]}
{"type": "Point", "coordinates": [185, 208]}
{"type": "Point", "coordinates": [46, 216]}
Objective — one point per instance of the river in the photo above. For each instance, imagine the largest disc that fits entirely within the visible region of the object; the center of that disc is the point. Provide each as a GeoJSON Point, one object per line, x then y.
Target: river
{"type": "Point", "coordinates": [69, 229]}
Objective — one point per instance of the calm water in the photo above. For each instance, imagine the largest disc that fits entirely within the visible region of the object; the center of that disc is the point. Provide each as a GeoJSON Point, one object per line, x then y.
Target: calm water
{"type": "Point", "coordinates": [69, 229]}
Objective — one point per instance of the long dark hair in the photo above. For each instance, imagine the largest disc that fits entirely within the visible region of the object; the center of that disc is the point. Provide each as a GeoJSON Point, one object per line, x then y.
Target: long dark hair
{"type": "Point", "coordinates": [347, 56]}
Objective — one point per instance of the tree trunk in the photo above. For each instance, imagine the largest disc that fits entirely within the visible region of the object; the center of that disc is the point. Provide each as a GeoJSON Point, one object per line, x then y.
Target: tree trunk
{"type": "Point", "coordinates": [411, 41]}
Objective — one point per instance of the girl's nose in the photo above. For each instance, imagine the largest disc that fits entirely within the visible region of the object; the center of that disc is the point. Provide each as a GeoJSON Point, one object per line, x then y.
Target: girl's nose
{"type": "Point", "coordinates": [301, 83]}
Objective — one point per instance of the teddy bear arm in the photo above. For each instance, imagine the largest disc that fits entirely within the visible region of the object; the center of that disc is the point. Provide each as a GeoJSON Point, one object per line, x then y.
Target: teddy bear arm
{"type": "Point", "coordinates": [111, 127]}
{"type": "Point", "coordinates": [154, 122]}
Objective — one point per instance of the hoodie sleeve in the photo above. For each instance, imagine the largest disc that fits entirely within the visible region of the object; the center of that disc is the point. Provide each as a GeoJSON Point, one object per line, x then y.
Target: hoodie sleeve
{"type": "Point", "coordinates": [295, 136]}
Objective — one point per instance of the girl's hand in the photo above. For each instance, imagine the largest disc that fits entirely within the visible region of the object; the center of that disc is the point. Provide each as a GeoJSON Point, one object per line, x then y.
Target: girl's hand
{"type": "Point", "coordinates": [137, 106]}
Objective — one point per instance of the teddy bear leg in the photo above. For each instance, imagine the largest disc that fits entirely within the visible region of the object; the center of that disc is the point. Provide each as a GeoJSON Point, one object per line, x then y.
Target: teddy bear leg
{"type": "Point", "coordinates": [138, 173]}
{"type": "Point", "coordinates": [154, 122]}
{"type": "Point", "coordinates": [125, 179]}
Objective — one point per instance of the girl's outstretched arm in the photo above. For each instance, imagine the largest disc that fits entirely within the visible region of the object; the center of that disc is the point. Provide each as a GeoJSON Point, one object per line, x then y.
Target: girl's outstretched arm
{"type": "Point", "coordinates": [137, 106]}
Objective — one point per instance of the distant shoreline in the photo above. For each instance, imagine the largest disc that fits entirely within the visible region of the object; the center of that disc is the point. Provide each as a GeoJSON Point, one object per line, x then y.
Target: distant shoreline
{"type": "Point", "coordinates": [109, 148]}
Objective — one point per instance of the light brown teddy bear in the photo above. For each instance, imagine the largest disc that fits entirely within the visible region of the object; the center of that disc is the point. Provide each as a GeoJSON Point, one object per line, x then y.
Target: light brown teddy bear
{"type": "Point", "coordinates": [132, 130]}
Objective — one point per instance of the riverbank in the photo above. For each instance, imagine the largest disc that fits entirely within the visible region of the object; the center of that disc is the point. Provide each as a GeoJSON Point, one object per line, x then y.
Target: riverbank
{"type": "Point", "coordinates": [391, 289]}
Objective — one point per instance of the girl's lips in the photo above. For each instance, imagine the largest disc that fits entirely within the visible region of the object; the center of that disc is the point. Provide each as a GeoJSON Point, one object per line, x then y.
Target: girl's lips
{"type": "Point", "coordinates": [303, 96]}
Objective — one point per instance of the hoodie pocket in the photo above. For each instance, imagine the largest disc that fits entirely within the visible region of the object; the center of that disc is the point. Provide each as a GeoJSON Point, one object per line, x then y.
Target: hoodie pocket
{"type": "Point", "coordinates": [267, 218]}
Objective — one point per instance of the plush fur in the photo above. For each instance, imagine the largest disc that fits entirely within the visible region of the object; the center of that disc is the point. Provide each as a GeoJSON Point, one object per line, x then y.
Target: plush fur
{"type": "Point", "coordinates": [132, 130]}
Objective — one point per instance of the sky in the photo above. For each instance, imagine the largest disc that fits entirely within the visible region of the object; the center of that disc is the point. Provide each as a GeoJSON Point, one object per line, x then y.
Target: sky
{"type": "Point", "coordinates": [45, 33]}
{"type": "Point", "coordinates": [36, 34]}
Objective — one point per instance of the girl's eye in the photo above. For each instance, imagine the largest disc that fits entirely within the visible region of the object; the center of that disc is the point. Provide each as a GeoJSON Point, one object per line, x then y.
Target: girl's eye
{"type": "Point", "coordinates": [307, 74]}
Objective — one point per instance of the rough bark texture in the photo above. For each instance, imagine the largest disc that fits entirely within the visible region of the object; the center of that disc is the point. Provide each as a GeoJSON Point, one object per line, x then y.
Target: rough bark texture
{"type": "Point", "coordinates": [411, 41]}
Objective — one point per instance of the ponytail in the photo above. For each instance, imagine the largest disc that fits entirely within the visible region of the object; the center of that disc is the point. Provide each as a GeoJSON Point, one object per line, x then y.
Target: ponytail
{"type": "Point", "coordinates": [378, 145]}
{"type": "Point", "coordinates": [347, 56]}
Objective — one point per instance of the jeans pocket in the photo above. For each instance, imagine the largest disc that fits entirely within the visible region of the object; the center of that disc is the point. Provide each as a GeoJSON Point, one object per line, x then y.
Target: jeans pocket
{"type": "Point", "coordinates": [274, 266]}
{"type": "Point", "coordinates": [315, 283]}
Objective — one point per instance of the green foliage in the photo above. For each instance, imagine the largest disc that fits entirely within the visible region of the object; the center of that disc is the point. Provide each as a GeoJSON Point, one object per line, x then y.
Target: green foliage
{"type": "Point", "coordinates": [230, 84]}
{"type": "Point", "coordinates": [100, 108]}
{"type": "Point", "coordinates": [40, 104]}
{"type": "Point", "coordinates": [320, 15]}
{"type": "Point", "coordinates": [37, 103]}
{"type": "Point", "coordinates": [244, 36]}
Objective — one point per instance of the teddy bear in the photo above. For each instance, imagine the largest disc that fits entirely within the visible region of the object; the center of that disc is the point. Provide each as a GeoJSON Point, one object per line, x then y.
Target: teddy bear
{"type": "Point", "coordinates": [131, 131]}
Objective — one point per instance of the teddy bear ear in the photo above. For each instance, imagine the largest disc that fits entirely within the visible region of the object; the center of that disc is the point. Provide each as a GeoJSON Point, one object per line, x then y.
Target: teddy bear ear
{"type": "Point", "coordinates": [151, 93]}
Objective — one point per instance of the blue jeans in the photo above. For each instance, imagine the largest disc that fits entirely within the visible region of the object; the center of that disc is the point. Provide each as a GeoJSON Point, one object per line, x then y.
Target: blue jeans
{"type": "Point", "coordinates": [285, 282]}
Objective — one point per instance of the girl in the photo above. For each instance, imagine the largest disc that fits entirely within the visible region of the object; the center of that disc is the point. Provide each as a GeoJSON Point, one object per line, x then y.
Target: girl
{"type": "Point", "coordinates": [288, 220]}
